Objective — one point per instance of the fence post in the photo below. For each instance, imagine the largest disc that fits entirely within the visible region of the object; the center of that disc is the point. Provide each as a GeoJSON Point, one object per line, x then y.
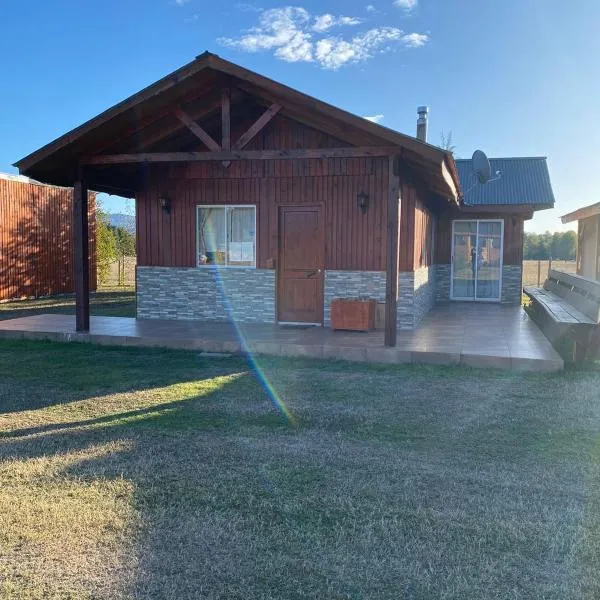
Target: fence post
{"type": "Point", "coordinates": [549, 266]}
{"type": "Point", "coordinates": [539, 272]}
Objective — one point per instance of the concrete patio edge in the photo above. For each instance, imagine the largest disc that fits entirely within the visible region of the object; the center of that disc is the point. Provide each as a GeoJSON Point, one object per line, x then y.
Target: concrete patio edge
{"type": "Point", "coordinates": [321, 344]}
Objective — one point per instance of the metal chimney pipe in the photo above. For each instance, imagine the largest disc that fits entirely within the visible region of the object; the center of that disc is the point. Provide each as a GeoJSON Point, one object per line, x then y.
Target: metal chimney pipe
{"type": "Point", "coordinates": [422, 123]}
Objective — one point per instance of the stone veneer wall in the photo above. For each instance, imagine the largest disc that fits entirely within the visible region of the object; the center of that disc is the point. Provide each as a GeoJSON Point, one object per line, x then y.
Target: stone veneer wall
{"type": "Point", "coordinates": [352, 284]}
{"type": "Point", "coordinates": [512, 276]}
{"type": "Point", "coordinates": [442, 281]}
{"type": "Point", "coordinates": [425, 284]}
{"type": "Point", "coordinates": [247, 295]}
{"type": "Point", "coordinates": [416, 292]}
{"type": "Point", "coordinates": [512, 284]}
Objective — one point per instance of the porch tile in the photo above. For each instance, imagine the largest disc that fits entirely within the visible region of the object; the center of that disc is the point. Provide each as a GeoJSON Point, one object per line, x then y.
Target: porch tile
{"type": "Point", "coordinates": [435, 358]}
{"type": "Point", "coordinates": [351, 353]}
{"type": "Point", "coordinates": [489, 361]}
{"type": "Point", "coordinates": [483, 336]}
{"type": "Point", "coordinates": [389, 355]}
{"type": "Point", "coordinates": [301, 350]}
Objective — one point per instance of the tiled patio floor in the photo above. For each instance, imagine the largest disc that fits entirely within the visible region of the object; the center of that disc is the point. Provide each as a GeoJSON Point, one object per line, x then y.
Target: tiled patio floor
{"type": "Point", "coordinates": [471, 334]}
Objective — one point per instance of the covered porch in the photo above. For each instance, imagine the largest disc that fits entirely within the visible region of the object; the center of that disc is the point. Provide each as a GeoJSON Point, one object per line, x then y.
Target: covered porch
{"type": "Point", "coordinates": [491, 336]}
{"type": "Point", "coordinates": [231, 170]}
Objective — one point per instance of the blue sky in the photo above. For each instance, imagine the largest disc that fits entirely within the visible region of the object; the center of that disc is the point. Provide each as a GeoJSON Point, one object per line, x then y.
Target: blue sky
{"type": "Point", "coordinates": [513, 77]}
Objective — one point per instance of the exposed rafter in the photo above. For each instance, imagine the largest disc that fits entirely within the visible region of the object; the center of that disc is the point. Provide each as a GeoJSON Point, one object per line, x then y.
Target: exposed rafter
{"type": "Point", "coordinates": [258, 125]}
{"type": "Point", "coordinates": [197, 130]}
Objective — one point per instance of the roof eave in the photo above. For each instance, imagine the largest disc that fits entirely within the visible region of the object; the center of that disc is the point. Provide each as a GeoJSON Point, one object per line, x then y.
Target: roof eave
{"type": "Point", "coordinates": [188, 70]}
{"type": "Point", "coordinates": [581, 213]}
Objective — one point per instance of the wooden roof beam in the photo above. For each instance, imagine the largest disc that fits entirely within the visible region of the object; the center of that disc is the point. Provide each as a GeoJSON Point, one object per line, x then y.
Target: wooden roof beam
{"type": "Point", "coordinates": [197, 130]}
{"type": "Point", "coordinates": [257, 126]}
{"type": "Point", "coordinates": [166, 157]}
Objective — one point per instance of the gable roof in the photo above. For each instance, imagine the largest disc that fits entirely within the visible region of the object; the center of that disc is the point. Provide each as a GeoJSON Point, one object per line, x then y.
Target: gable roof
{"type": "Point", "coordinates": [523, 181]}
{"type": "Point", "coordinates": [582, 213]}
{"type": "Point", "coordinates": [57, 162]}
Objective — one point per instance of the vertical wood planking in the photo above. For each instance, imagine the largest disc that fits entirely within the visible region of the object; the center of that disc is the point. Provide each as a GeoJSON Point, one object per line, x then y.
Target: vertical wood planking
{"type": "Point", "coordinates": [35, 239]}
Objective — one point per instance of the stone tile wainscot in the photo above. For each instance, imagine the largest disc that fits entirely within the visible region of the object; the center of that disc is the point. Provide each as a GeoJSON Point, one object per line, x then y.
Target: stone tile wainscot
{"type": "Point", "coordinates": [207, 293]}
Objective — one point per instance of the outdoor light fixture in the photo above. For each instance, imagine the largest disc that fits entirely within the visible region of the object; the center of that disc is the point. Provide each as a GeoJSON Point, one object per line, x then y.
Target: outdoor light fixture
{"type": "Point", "coordinates": [165, 204]}
{"type": "Point", "coordinates": [363, 201]}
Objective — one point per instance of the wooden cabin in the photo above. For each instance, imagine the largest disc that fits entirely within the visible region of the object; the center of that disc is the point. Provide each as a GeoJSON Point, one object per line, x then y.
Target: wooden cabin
{"type": "Point", "coordinates": [36, 239]}
{"type": "Point", "coordinates": [588, 240]}
{"type": "Point", "coordinates": [258, 203]}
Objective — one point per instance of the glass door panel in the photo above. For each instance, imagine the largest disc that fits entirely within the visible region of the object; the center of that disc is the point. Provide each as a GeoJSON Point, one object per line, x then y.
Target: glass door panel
{"type": "Point", "coordinates": [477, 260]}
{"type": "Point", "coordinates": [489, 260]}
{"type": "Point", "coordinates": [464, 245]}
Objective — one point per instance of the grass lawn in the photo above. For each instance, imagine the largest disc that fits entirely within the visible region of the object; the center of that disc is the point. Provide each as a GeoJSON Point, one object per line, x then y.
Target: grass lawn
{"type": "Point", "coordinates": [108, 302]}
{"type": "Point", "coordinates": [151, 474]}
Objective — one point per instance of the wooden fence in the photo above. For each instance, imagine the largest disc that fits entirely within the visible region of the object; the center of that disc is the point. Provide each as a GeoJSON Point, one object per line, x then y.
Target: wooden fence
{"type": "Point", "coordinates": [536, 271]}
{"type": "Point", "coordinates": [36, 249]}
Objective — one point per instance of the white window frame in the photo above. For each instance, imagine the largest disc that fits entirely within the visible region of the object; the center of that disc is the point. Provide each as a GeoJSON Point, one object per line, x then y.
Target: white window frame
{"type": "Point", "coordinates": [475, 298]}
{"type": "Point", "coordinates": [226, 207]}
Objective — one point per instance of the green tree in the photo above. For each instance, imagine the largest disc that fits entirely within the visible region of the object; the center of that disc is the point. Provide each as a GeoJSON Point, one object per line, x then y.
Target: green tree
{"type": "Point", "coordinates": [558, 245]}
{"type": "Point", "coordinates": [106, 245]}
{"type": "Point", "coordinates": [125, 247]}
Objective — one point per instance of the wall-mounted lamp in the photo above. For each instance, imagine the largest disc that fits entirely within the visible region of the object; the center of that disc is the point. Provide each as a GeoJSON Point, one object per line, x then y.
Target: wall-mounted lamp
{"type": "Point", "coordinates": [362, 200]}
{"type": "Point", "coordinates": [165, 204]}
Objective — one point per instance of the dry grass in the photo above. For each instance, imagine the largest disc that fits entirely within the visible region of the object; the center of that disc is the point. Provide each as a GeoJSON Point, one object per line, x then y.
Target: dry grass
{"type": "Point", "coordinates": [531, 271]}
{"type": "Point", "coordinates": [149, 474]}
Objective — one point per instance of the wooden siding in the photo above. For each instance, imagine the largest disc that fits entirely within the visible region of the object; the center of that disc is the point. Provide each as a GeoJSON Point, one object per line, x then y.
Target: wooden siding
{"type": "Point", "coordinates": [353, 241]}
{"type": "Point", "coordinates": [513, 235]}
{"type": "Point", "coordinates": [588, 247]}
{"type": "Point", "coordinates": [36, 246]}
{"type": "Point", "coordinates": [424, 235]}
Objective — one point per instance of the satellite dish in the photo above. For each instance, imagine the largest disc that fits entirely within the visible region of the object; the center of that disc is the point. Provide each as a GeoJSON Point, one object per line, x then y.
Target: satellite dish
{"type": "Point", "coordinates": [481, 166]}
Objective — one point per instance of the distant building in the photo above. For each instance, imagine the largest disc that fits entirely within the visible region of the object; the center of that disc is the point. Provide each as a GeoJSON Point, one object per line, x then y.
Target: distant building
{"type": "Point", "coordinates": [588, 240]}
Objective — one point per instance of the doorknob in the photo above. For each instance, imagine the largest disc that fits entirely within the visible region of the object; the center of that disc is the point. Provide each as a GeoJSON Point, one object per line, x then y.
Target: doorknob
{"type": "Point", "coordinates": [313, 273]}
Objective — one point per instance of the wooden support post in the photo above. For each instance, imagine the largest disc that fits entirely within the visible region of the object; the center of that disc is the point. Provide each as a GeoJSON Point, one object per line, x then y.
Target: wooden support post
{"type": "Point", "coordinates": [81, 255]}
{"type": "Point", "coordinates": [225, 120]}
{"type": "Point", "coordinates": [226, 123]}
{"type": "Point", "coordinates": [393, 250]}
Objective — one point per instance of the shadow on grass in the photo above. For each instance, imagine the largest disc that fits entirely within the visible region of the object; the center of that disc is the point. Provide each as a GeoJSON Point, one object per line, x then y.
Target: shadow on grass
{"type": "Point", "coordinates": [108, 303]}
{"type": "Point", "coordinates": [178, 456]}
{"type": "Point", "coordinates": [60, 373]}
{"type": "Point", "coordinates": [394, 473]}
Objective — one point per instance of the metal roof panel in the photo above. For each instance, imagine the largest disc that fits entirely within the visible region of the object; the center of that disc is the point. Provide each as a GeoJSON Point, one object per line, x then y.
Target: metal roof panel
{"type": "Point", "coordinates": [523, 181]}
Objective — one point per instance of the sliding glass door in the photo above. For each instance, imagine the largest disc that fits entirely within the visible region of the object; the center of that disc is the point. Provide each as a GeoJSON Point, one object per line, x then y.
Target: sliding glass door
{"type": "Point", "coordinates": [477, 248]}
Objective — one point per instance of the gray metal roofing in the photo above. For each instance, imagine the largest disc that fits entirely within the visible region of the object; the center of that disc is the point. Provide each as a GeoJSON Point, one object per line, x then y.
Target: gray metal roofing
{"type": "Point", "coordinates": [522, 181]}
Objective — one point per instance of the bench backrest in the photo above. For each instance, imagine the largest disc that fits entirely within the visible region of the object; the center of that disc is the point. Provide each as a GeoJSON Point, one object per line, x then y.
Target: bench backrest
{"type": "Point", "coordinates": [582, 293]}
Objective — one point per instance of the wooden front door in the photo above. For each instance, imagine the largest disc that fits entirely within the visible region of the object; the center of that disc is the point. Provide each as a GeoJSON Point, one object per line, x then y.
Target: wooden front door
{"type": "Point", "coordinates": [301, 264]}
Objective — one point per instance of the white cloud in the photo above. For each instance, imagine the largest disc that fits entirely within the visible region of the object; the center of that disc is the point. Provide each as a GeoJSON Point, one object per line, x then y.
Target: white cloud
{"type": "Point", "coordinates": [292, 34]}
{"type": "Point", "coordinates": [375, 118]}
{"type": "Point", "coordinates": [407, 5]}
{"type": "Point", "coordinates": [327, 21]}
{"type": "Point", "coordinates": [279, 29]}
{"type": "Point", "coordinates": [181, 2]}
{"type": "Point", "coordinates": [415, 40]}
{"type": "Point", "coordinates": [370, 8]}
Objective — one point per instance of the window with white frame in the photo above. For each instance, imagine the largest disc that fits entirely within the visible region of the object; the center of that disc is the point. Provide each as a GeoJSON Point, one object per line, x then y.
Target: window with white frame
{"type": "Point", "coordinates": [226, 235]}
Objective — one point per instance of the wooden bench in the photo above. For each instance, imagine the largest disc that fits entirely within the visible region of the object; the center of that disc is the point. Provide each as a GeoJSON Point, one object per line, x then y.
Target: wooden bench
{"type": "Point", "coordinates": [568, 306]}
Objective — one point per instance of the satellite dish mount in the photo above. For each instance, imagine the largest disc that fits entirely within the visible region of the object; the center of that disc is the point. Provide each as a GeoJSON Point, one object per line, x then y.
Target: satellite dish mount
{"type": "Point", "coordinates": [481, 167]}
{"type": "Point", "coordinates": [482, 170]}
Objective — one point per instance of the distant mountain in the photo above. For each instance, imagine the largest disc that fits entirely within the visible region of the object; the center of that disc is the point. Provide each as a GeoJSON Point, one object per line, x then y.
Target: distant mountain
{"type": "Point", "coordinates": [120, 220]}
